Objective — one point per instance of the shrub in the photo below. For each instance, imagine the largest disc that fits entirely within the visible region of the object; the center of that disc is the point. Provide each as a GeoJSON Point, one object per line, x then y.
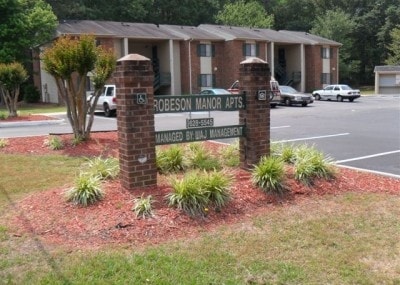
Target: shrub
{"type": "Point", "coordinates": [170, 159]}
{"type": "Point", "coordinates": [143, 207]}
{"type": "Point", "coordinates": [269, 175]}
{"type": "Point", "coordinates": [216, 185]}
{"type": "Point", "coordinates": [188, 195]}
{"type": "Point", "coordinates": [310, 164]}
{"type": "Point", "coordinates": [106, 168]}
{"type": "Point", "coordinates": [286, 152]}
{"type": "Point", "coordinates": [230, 154]}
{"type": "Point", "coordinates": [87, 190]}
{"type": "Point", "coordinates": [54, 143]}
{"type": "Point", "coordinates": [3, 143]}
{"type": "Point", "coordinates": [199, 157]}
{"type": "Point", "coordinates": [31, 94]}
{"type": "Point", "coordinates": [3, 116]}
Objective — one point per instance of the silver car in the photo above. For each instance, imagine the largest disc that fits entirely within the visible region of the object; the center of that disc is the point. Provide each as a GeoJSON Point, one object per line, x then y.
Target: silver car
{"type": "Point", "coordinates": [290, 96]}
{"type": "Point", "coordinates": [337, 92]}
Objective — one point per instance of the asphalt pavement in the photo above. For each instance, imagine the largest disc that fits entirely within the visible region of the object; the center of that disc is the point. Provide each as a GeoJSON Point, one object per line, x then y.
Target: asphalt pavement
{"type": "Point", "coordinates": [364, 134]}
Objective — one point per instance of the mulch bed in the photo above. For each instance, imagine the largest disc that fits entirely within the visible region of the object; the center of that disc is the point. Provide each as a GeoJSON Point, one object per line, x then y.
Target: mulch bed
{"type": "Point", "coordinates": [46, 215]}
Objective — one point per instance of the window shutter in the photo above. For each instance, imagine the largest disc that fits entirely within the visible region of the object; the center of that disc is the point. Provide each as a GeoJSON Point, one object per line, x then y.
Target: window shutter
{"type": "Point", "coordinates": [199, 80]}
{"type": "Point", "coordinates": [322, 78]}
{"type": "Point", "coordinates": [213, 80]}
{"type": "Point", "coordinates": [257, 49]}
{"type": "Point", "coordinates": [244, 49]}
{"type": "Point", "coordinates": [198, 50]}
{"type": "Point", "coordinates": [322, 52]}
{"type": "Point", "coordinates": [331, 53]}
{"type": "Point", "coordinates": [213, 50]}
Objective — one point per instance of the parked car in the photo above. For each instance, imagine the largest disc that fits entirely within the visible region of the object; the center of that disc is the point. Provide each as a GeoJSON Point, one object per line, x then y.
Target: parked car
{"type": "Point", "coordinates": [275, 96]}
{"type": "Point", "coordinates": [107, 101]}
{"type": "Point", "coordinates": [290, 96]}
{"type": "Point", "coordinates": [337, 92]}
{"type": "Point", "coordinates": [215, 91]}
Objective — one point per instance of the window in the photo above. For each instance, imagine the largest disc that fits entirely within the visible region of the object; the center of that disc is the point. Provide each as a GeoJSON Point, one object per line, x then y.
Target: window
{"type": "Point", "coordinates": [326, 78]}
{"type": "Point", "coordinates": [205, 50]}
{"type": "Point", "coordinates": [250, 49]}
{"type": "Point", "coordinates": [326, 52]}
{"type": "Point", "coordinates": [206, 80]}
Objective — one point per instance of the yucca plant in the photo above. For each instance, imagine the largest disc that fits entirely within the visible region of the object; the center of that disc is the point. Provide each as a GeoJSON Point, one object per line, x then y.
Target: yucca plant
{"type": "Point", "coordinates": [170, 159]}
{"type": "Point", "coordinates": [106, 168]}
{"type": "Point", "coordinates": [217, 185]}
{"type": "Point", "coordinates": [199, 157]}
{"type": "Point", "coordinates": [188, 194]}
{"type": "Point", "coordinates": [87, 190]}
{"type": "Point", "coordinates": [310, 164]}
{"type": "Point", "coordinates": [143, 206]}
{"type": "Point", "coordinates": [269, 175]}
{"type": "Point", "coordinates": [287, 152]}
{"type": "Point", "coordinates": [3, 143]}
{"type": "Point", "coordinates": [230, 154]}
{"type": "Point", "coordinates": [54, 143]}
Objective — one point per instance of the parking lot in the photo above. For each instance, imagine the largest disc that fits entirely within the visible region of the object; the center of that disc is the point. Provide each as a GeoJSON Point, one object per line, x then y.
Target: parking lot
{"type": "Point", "coordinates": [363, 134]}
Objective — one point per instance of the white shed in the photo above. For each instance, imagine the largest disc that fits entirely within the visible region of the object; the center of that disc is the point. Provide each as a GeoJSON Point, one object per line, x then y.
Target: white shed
{"type": "Point", "coordinates": [387, 79]}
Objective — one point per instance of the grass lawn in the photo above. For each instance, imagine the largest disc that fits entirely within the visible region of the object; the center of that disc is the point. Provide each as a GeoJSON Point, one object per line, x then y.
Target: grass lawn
{"type": "Point", "coordinates": [38, 108]}
{"type": "Point", "coordinates": [342, 239]}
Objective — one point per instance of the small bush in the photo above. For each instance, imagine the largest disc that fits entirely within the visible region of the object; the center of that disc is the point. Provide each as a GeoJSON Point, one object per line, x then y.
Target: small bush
{"type": "Point", "coordinates": [199, 157]}
{"type": "Point", "coordinates": [230, 154]}
{"type": "Point", "coordinates": [3, 116]}
{"type": "Point", "coordinates": [106, 168]}
{"type": "Point", "coordinates": [188, 195]}
{"type": "Point", "coordinates": [269, 174]}
{"type": "Point", "coordinates": [217, 184]}
{"type": "Point", "coordinates": [87, 190]}
{"type": "Point", "coordinates": [170, 159]}
{"type": "Point", "coordinates": [286, 152]}
{"type": "Point", "coordinates": [54, 143]}
{"type": "Point", "coordinates": [3, 143]}
{"type": "Point", "coordinates": [31, 94]}
{"type": "Point", "coordinates": [310, 164]}
{"type": "Point", "coordinates": [143, 207]}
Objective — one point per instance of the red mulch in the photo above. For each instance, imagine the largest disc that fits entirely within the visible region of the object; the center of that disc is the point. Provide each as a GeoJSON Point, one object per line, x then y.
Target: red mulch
{"type": "Point", "coordinates": [46, 215]}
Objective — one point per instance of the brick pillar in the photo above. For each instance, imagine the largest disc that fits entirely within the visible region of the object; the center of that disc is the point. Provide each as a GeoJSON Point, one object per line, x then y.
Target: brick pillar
{"type": "Point", "coordinates": [254, 76]}
{"type": "Point", "coordinates": [135, 121]}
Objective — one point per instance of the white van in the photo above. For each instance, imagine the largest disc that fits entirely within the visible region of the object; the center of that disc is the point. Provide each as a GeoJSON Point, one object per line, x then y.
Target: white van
{"type": "Point", "coordinates": [275, 97]}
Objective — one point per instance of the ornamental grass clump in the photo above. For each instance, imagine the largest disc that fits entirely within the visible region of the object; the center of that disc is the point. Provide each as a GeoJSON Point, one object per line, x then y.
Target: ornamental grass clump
{"type": "Point", "coordinates": [106, 168]}
{"type": "Point", "coordinates": [87, 190]}
{"type": "Point", "coordinates": [171, 159]}
{"type": "Point", "coordinates": [217, 186]}
{"type": "Point", "coordinates": [269, 175]}
{"type": "Point", "coordinates": [189, 195]}
{"type": "Point", "coordinates": [143, 206]}
{"type": "Point", "coordinates": [311, 164]}
{"type": "Point", "coordinates": [200, 158]}
{"type": "Point", "coordinates": [3, 143]}
{"type": "Point", "coordinates": [230, 154]}
{"type": "Point", "coordinates": [287, 152]}
{"type": "Point", "coordinates": [54, 143]}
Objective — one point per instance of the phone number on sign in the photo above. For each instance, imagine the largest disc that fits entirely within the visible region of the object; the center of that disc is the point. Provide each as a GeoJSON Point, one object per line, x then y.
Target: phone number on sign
{"type": "Point", "coordinates": [199, 123]}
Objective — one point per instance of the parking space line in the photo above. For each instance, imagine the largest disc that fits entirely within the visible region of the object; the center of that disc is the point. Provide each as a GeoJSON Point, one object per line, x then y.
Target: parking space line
{"type": "Point", "coordinates": [371, 171]}
{"type": "Point", "coordinates": [313, 138]}
{"type": "Point", "coordinates": [367, 156]}
{"type": "Point", "coordinates": [280, 127]}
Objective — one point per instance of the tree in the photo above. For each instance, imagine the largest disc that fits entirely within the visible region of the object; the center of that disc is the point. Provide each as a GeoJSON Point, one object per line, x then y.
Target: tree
{"type": "Point", "coordinates": [245, 14]}
{"type": "Point", "coordinates": [394, 47]}
{"type": "Point", "coordinates": [23, 25]}
{"type": "Point", "coordinates": [12, 75]}
{"type": "Point", "coordinates": [337, 25]}
{"type": "Point", "coordinates": [69, 60]}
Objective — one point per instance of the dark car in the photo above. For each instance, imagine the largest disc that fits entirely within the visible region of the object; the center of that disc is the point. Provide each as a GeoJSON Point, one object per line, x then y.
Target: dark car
{"type": "Point", "coordinates": [290, 96]}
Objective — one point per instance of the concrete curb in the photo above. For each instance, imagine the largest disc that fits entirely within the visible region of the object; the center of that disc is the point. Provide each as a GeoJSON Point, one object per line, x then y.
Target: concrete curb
{"type": "Point", "coordinates": [31, 123]}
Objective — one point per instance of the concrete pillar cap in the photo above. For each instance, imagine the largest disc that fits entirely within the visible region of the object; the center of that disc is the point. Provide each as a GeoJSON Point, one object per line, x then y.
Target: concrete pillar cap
{"type": "Point", "coordinates": [133, 56]}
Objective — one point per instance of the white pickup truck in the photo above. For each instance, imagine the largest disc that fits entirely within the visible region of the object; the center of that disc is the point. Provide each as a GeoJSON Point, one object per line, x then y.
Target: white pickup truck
{"type": "Point", "coordinates": [337, 92]}
{"type": "Point", "coordinates": [107, 101]}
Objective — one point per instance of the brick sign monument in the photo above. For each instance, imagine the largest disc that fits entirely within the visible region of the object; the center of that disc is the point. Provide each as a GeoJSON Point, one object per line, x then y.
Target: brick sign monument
{"type": "Point", "coordinates": [136, 106]}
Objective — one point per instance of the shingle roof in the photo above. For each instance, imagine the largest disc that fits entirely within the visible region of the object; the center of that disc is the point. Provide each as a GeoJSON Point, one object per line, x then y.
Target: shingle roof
{"type": "Point", "coordinates": [310, 39]}
{"type": "Point", "coordinates": [175, 32]}
{"type": "Point", "coordinates": [387, 68]}
{"type": "Point", "coordinates": [190, 32]}
{"type": "Point", "coordinates": [115, 29]}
